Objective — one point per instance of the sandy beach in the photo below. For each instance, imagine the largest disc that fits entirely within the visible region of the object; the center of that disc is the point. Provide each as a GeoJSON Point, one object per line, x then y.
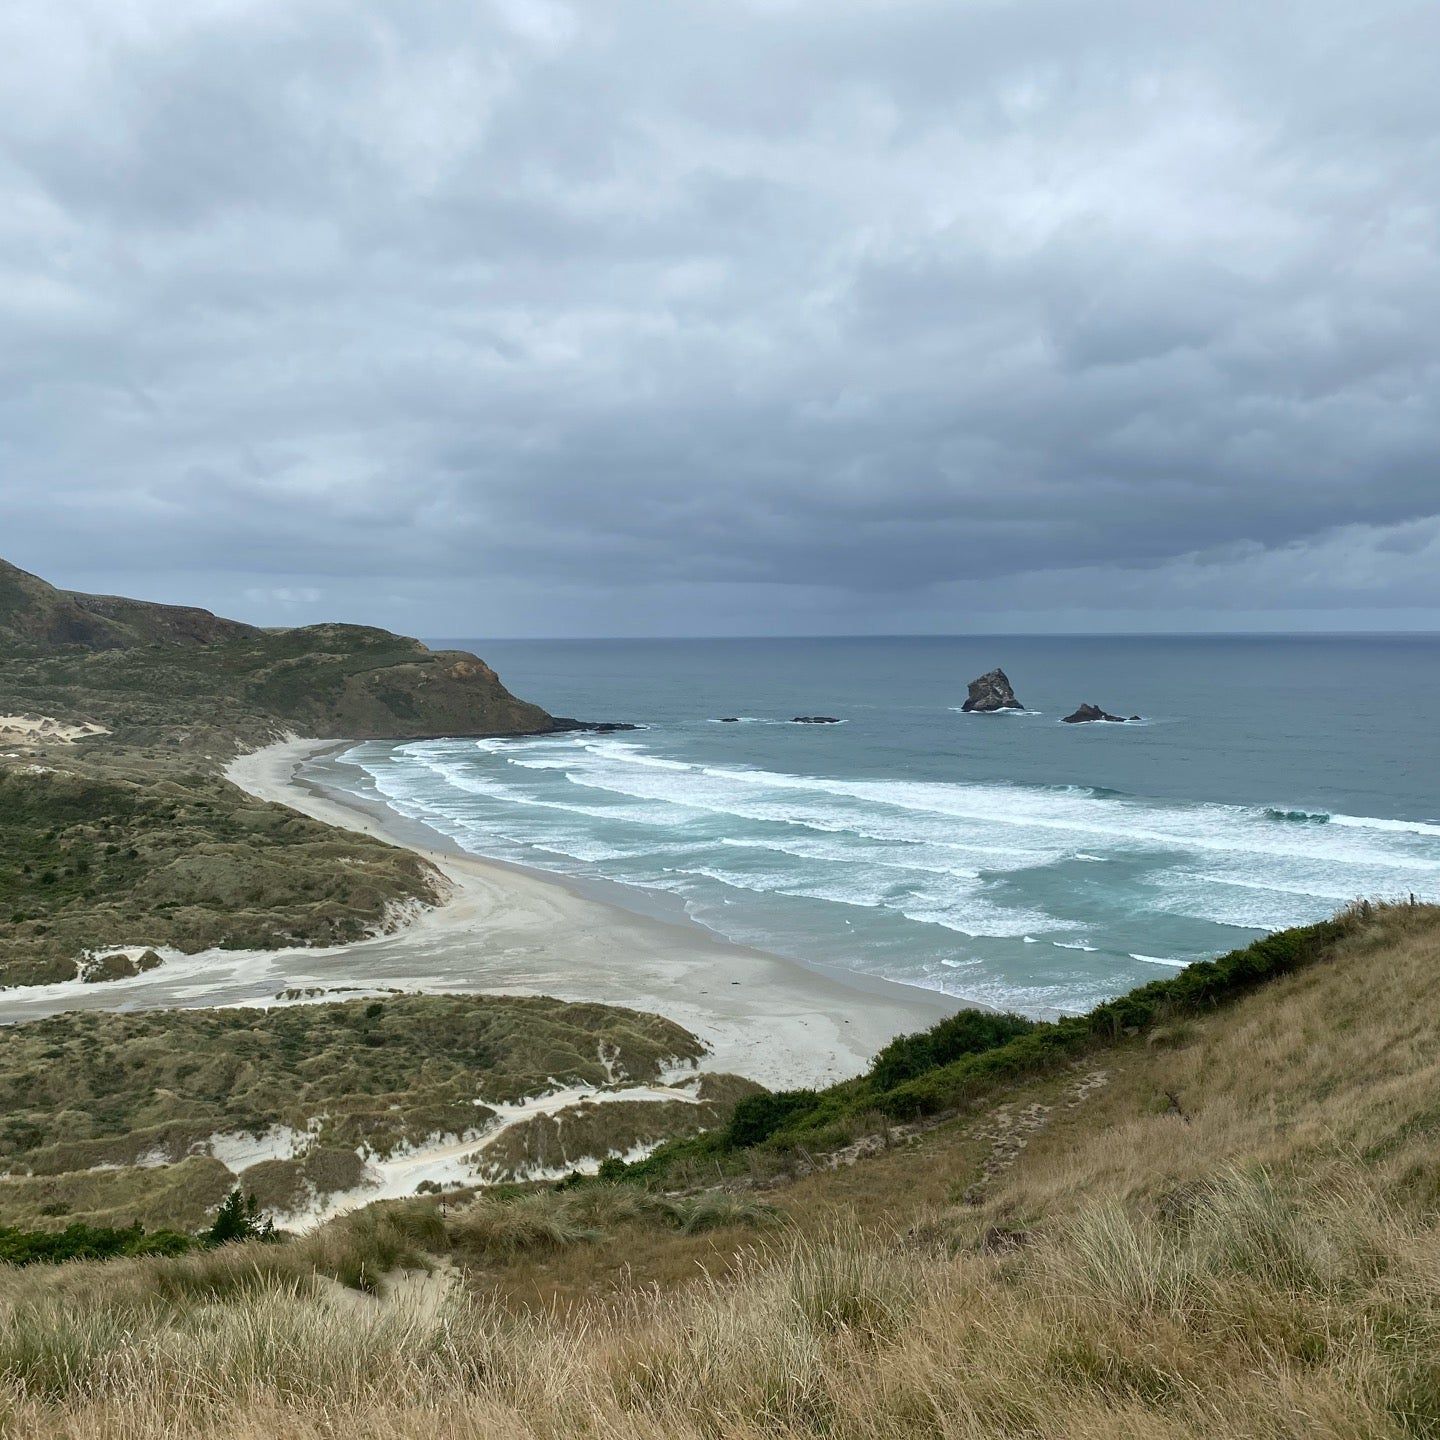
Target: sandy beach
{"type": "Point", "coordinates": [507, 930]}
{"type": "Point", "coordinates": [513, 931]}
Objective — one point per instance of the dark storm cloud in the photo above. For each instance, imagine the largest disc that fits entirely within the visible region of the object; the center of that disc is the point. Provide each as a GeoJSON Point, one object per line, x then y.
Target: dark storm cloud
{"type": "Point", "coordinates": [778, 315]}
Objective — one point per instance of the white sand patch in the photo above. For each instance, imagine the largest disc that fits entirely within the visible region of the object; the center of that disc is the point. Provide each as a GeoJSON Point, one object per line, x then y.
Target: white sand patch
{"type": "Point", "coordinates": [562, 1099]}
{"type": "Point", "coordinates": [45, 729]}
{"type": "Point", "coordinates": [237, 1151]}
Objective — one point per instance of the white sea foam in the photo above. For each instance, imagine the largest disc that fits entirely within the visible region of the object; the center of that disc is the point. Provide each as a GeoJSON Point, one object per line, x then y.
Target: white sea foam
{"type": "Point", "coordinates": [1029, 823]}
{"type": "Point", "coordinates": [966, 914]}
{"type": "Point", "coordinates": [979, 859]}
{"type": "Point", "coordinates": [1394, 827]}
{"type": "Point", "coordinates": [1222, 829]}
{"type": "Point", "coordinates": [985, 714]}
{"type": "Point", "coordinates": [1159, 960]}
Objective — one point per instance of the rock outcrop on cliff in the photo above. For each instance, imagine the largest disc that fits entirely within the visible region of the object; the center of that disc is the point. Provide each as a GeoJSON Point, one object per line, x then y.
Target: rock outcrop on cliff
{"type": "Point", "coordinates": [992, 691]}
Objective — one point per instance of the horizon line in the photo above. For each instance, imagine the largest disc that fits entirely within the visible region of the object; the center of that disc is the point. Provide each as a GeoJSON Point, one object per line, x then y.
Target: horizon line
{"type": "Point", "coordinates": [980, 635]}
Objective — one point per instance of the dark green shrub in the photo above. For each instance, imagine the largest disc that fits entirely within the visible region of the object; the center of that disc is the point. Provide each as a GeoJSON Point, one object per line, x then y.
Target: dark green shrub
{"type": "Point", "coordinates": [1199, 987]}
{"type": "Point", "coordinates": [757, 1117]}
{"type": "Point", "coordinates": [86, 1242]}
{"type": "Point", "coordinates": [968, 1033]}
{"type": "Point", "coordinates": [238, 1218]}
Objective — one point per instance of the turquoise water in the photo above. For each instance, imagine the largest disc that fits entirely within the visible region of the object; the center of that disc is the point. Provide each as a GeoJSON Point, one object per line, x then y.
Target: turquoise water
{"type": "Point", "coordinates": [1008, 858]}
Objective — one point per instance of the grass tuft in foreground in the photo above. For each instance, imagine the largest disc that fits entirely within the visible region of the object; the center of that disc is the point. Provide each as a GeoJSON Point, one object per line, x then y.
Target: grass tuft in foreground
{"type": "Point", "coordinates": [1251, 1315]}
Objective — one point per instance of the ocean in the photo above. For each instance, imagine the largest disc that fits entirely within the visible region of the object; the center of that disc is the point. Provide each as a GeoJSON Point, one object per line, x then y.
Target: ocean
{"type": "Point", "coordinates": [1008, 859]}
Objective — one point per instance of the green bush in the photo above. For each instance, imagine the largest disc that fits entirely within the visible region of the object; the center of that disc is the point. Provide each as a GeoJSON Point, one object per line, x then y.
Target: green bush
{"type": "Point", "coordinates": [757, 1117]}
{"type": "Point", "coordinates": [86, 1242]}
{"type": "Point", "coordinates": [968, 1033]}
{"type": "Point", "coordinates": [239, 1218]}
{"type": "Point", "coordinates": [1199, 987]}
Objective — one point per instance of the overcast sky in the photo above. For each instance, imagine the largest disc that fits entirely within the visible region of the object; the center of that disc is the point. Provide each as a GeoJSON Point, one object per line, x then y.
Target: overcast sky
{"type": "Point", "coordinates": [509, 317]}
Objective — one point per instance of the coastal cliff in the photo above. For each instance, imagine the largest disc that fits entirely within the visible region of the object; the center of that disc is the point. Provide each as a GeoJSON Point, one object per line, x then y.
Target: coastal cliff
{"type": "Point", "coordinates": [145, 670]}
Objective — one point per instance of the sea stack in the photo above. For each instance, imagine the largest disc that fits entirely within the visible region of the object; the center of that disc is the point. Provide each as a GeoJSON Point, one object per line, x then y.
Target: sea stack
{"type": "Point", "coordinates": [991, 692]}
{"type": "Point", "coordinates": [1086, 714]}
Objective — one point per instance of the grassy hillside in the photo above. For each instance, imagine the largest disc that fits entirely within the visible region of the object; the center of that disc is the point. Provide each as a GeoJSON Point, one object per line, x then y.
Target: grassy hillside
{"type": "Point", "coordinates": [1223, 1225]}
{"type": "Point", "coordinates": [177, 677]}
{"type": "Point", "coordinates": [971, 1054]}
{"type": "Point", "coordinates": [36, 617]}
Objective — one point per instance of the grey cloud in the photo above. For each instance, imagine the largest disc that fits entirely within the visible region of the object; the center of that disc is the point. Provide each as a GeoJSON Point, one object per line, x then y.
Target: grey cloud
{"type": "Point", "coordinates": [840, 315]}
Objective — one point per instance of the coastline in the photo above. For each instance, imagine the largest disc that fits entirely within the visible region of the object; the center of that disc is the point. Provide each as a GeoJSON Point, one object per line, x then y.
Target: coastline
{"type": "Point", "coordinates": [510, 930]}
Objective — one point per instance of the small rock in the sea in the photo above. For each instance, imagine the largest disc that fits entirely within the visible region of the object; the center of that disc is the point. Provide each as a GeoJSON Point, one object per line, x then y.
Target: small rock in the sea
{"type": "Point", "coordinates": [815, 720]}
{"type": "Point", "coordinates": [563, 724]}
{"type": "Point", "coordinates": [729, 719]}
{"type": "Point", "coordinates": [991, 691]}
{"type": "Point", "coordinates": [1088, 713]}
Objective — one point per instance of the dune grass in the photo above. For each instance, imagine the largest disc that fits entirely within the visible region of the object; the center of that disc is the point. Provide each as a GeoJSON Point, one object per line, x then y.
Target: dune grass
{"type": "Point", "coordinates": [85, 1098]}
{"type": "Point", "coordinates": [105, 847]}
{"type": "Point", "coordinates": [1248, 1315]}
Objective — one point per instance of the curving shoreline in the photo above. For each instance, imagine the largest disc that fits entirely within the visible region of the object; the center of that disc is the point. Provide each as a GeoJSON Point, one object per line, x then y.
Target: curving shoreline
{"type": "Point", "coordinates": [506, 929]}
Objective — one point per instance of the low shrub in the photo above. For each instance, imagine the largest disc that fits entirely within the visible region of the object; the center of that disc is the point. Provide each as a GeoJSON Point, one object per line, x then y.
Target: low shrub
{"type": "Point", "coordinates": [87, 1242]}
{"type": "Point", "coordinates": [758, 1117]}
{"type": "Point", "coordinates": [1199, 987]}
{"type": "Point", "coordinates": [968, 1033]}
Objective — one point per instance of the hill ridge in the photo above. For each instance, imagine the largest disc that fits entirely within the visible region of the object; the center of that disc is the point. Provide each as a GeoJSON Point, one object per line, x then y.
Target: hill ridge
{"type": "Point", "coordinates": [142, 667]}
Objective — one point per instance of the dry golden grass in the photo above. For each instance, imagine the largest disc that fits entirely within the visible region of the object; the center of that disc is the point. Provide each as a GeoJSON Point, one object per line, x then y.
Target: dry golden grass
{"type": "Point", "coordinates": [1235, 1236]}
{"type": "Point", "coordinates": [1334, 1066]}
{"type": "Point", "coordinates": [1253, 1316]}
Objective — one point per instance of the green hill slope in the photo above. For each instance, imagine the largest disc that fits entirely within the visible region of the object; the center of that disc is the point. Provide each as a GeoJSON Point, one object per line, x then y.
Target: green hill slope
{"type": "Point", "coordinates": [148, 671]}
{"type": "Point", "coordinates": [35, 616]}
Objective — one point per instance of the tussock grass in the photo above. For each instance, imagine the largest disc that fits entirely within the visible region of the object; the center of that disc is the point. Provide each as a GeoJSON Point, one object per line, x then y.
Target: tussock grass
{"type": "Point", "coordinates": [538, 1221]}
{"type": "Point", "coordinates": [498, 1225]}
{"type": "Point", "coordinates": [1260, 1261]}
{"type": "Point", "coordinates": [715, 1209]}
{"type": "Point", "coordinates": [1250, 1314]}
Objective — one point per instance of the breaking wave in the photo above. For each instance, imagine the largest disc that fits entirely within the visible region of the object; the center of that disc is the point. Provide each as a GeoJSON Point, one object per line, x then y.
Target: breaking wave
{"type": "Point", "coordinates": [885, 873]}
